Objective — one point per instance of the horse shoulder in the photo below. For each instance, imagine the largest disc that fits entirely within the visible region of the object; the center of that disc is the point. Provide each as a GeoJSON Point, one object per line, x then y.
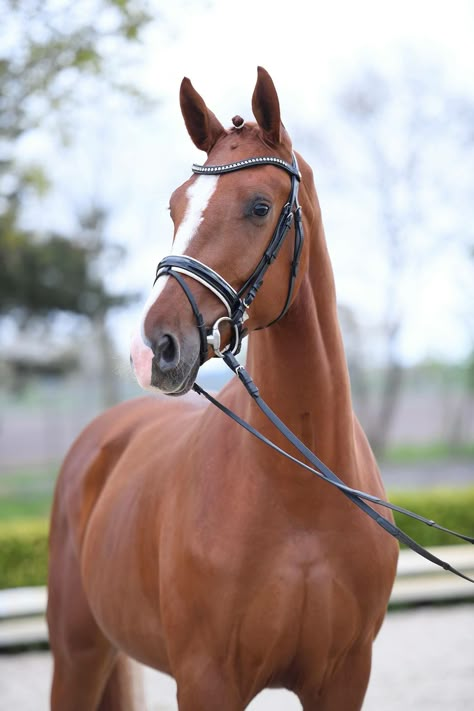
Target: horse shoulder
{"type": "Point", "coordinates": [93, 457]}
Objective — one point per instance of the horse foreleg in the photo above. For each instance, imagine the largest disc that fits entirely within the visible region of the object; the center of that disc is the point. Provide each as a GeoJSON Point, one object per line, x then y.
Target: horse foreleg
{"type": "Point", "coordinates": [345, 689]}
{"type": "Point", "coordinates": [88, 673]}
{"type": "Point", "coordinates": [203, 687]}
{"type": "Point", "coordinates": [121, 693]}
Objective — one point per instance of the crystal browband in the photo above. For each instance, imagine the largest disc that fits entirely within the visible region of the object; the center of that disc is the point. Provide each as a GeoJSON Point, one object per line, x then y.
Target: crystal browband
{"type": "Point", "coordinates": [247, 163]}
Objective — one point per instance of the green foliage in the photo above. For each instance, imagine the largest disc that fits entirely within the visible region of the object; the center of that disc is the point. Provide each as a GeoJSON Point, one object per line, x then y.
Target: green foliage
{"type": "Point", "coordinates": [23, 553]}
{"type": "Point", "coordinates": [56, 43]}
{"type": "Point", "coordinates": [48, 47]}
{"type": "Point", "coordinates": [55, 274]}
{"type": "Point", "coordinates": [451, 508]}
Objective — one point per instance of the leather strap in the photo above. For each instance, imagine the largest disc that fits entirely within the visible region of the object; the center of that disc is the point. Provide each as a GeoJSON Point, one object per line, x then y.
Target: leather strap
{"type": "Point", "coordinates": [200, 271]}
{"type": "Point", "coordinates": [318, 468]}
{"type": "Point", "coordinates": [247, 163]}
{"type": "Point", "coordinates": [197, 314]}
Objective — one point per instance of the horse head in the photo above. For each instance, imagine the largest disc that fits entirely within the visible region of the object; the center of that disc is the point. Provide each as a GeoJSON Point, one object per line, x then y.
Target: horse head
{"type": "Point", "coordinates": [230, 223]}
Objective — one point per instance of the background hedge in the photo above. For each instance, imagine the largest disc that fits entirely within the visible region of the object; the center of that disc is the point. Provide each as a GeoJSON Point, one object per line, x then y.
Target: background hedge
{"type": "Point", "coordinates": [24, 542]}
{"type": "Point", "coordinates": [451, 508]}
{"type": "Point", "coordinates": [23, 552]}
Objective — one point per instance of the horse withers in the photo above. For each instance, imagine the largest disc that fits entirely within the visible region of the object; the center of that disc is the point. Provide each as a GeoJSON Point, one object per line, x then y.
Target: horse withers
{"type": "Point", "coordinates": [176, 538]}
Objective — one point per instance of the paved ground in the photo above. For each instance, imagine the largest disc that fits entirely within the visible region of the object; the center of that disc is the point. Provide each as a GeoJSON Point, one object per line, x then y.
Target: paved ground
{"type": "Point", "coordinates": [423, 661]}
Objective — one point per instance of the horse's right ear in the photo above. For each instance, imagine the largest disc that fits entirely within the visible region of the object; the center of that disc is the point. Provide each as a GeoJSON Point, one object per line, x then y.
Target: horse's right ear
{"type": "Point", "coordinates": [203, 127]}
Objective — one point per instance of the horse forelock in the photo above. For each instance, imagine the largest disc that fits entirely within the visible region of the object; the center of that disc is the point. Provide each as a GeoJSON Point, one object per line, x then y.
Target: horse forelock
{"type": "Point", "coordinates": [248, 141]}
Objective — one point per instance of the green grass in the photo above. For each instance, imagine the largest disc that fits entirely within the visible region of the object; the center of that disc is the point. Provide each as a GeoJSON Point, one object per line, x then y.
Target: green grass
{"type": "Point", "coordinates": [25, 507]}
{"type": "Point", "coordinates": [28, 477]}
{"type": "Point", "coordinates": [27, 492]}
{"type": "Point", "coordinates": [405, 454]}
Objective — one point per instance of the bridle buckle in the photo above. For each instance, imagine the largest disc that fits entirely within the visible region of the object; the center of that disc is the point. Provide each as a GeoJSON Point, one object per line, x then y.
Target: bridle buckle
{"type": "Point", "coordinates": [214, 338]}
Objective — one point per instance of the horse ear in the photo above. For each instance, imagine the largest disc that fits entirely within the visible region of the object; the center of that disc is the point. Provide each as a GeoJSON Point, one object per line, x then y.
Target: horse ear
{"type": "Point", "coordinates": [203, 127]}
{"type": "Point", "coordinates": [266, 107]}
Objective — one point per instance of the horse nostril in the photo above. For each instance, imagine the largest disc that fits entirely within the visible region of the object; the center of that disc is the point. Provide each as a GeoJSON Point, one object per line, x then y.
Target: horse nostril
{"type": "Point", "coordinates": [167, 352]}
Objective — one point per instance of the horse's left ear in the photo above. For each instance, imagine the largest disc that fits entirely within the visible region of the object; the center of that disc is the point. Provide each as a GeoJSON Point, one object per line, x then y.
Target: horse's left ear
{"type": "Point", "coordinates": [266, 107]}
{"type": "Point", "coordinates": [203, 126]}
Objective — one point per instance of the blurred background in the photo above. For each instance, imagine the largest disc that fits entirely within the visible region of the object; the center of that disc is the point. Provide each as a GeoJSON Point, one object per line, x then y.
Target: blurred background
{"type": "Point", "coordinates": [378, 97]}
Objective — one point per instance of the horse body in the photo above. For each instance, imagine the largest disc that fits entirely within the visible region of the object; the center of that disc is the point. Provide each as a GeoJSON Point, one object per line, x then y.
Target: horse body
{"type": "Point", "coordinates": [185, 544]}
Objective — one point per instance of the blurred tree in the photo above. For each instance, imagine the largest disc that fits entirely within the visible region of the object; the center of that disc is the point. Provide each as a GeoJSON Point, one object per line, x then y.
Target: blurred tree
{"type": "Point", "coordinates": [402, 144]}
{"type": "Point", "coordinates": [46, 48]}
{"type": "Point", "coordinates": [39, 278]}
{"type": "Point", "coordinates": [104, 257]}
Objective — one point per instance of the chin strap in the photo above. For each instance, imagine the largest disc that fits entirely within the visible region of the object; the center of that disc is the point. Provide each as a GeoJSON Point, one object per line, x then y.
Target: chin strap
{"type": "Point", "coordinates": [319, 469]}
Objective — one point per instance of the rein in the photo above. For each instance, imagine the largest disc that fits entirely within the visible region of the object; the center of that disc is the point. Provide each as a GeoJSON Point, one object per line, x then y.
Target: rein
{"type": "Point", "coordinates": [237, 303]}
{"type": "Point", "coordinates": [319, 469]}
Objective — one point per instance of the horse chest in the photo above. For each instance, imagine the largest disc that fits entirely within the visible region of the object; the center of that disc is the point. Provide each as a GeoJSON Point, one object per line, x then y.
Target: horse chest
{"type": "Point", "coordinates": [271, 593]}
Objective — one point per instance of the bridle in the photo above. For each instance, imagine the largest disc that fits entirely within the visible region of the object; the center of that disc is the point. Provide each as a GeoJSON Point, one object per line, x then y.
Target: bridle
{"type": "Point", "coordinates": [238, 302]}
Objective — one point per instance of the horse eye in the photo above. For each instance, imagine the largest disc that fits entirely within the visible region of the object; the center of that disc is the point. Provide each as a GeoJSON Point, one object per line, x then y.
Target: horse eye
{"type": "Point", "coordinates": [260, 209]}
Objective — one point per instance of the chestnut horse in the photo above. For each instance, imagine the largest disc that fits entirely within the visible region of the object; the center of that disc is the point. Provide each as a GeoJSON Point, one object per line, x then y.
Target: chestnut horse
{"type": "Point", "coordinates": [176, 538]}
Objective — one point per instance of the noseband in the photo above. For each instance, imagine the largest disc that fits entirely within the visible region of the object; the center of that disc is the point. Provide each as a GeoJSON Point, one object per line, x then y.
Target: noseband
{"type": "Point", "coordinates": [238, 302]}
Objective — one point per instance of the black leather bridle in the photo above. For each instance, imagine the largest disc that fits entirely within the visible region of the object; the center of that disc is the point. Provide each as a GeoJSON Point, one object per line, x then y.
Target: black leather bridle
{"type": "Point", "coordinates": [237, 303]}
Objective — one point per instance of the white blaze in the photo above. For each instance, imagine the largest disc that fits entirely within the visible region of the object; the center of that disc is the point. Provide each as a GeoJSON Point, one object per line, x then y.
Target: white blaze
{"type": "Point", "coordinates": [198, 195]}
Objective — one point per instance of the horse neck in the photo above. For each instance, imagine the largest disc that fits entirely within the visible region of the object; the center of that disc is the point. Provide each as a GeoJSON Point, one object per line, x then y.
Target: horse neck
{"type": "Point", "coordinates": [300, 367]}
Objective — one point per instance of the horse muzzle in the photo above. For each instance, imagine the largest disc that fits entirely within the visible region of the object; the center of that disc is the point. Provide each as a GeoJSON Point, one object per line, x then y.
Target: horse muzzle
{"type": "Point", "coordinates": [166, 362]}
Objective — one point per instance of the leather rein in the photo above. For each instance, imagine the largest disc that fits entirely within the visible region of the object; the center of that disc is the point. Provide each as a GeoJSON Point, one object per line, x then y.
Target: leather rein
{"type": "Point", "coordinates": [237, 304]}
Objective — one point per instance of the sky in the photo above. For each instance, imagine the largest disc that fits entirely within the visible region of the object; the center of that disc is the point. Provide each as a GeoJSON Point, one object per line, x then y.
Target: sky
{"type": "Point", "coordinates": [132, 163]}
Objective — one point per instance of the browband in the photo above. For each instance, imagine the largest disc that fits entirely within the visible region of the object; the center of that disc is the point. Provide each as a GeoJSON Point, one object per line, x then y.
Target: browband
{"type": "Point", "coordinates": [246, 163]}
